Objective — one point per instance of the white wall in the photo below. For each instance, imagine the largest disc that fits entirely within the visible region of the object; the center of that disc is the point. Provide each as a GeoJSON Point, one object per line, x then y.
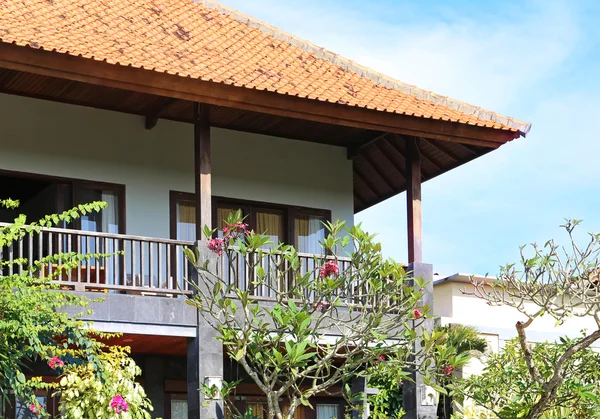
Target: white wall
{"type": "Point", "coordinates": [78, 142]}
{"type": "Point", "coordinates": [499, 321]}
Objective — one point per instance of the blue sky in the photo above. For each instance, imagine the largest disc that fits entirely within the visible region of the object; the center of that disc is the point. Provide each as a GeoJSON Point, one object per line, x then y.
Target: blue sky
{"type": "Point", "coordinates": [538, 61]}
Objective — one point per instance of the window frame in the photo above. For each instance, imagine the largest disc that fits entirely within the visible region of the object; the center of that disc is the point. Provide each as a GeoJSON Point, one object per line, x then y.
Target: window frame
{"type": "Point", "coordinates": [249, 208]}
{"type": "Point", "coordinates": [76, 184]}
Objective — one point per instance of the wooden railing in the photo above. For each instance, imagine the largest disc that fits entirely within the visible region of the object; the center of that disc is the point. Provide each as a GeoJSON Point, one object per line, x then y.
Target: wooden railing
{"type": "Point", "coordinates": [134, 264]}
{"type": "Point", "coordinates": [237, 271]}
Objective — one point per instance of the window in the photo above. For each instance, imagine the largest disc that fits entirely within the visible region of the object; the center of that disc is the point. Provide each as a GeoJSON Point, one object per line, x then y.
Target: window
{"type": "Point", "coordinates": [301, 227]}
{"type": "Point", "coordinates": [179, 409]}
{"type": "Point", "coordinates": [106, 221]}
{"type": "Point", "coordinates": [328, 411]}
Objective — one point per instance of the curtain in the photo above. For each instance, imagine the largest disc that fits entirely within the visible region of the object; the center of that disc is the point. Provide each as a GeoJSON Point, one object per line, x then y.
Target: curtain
{"type": "Point", "coordinates": [186, 221]}
{"type": "Point", "coordinates": [179, 409]}
{"type": "Point", "coordinates": [110, 214]}
{"type": "Point", "coordinates": [309, 231]}
{"type": "Point", "coordinates": [327, 411]}
{"type": "Point", "coordinates": [270, 224]}
{"type": "Point", "coordinates": [258, 409]}
{"type": "Point", "coordinates": [110, 224]}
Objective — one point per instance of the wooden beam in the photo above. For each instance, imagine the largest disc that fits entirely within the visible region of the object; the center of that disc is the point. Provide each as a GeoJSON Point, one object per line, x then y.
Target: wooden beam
{"type": "Point", "coordinates": [404, 153]}
{"type": "Point", "coordinates": [413, 202]}
{"type": "Point", "coordinates": [442, 147]}
{"type": "Point", "coordinates": [378, 170]}
{"type": "Point", "coordinates": [87, 70]}
{"type": "Point", "coordinates": [202, 167]}
{"type": "Point", "coordinates": [353, 150]}
{"type": "Point", "coordinates": [365, 179]}
{"type": "Point", "coordinates": [387, 157]}
{"type": "Point", "coordinates": [153, 115]}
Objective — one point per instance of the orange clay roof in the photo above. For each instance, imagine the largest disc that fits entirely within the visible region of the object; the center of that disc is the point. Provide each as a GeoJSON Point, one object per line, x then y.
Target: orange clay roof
{"type": "Point", "coordinates": [211, 42]}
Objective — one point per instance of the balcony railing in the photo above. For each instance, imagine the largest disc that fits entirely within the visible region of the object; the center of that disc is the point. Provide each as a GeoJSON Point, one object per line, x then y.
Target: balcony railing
{"type": "Point", "coordinates": [143, 265]}
{"type": "Point", "coordinates": [278, 277]}
{"type": "Point", "coordinates": [134, 264]}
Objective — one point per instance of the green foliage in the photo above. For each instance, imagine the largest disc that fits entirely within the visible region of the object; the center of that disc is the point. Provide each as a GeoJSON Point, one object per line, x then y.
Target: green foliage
{"type": "Point", "coordinates": [84, 394]}
{"type": "Point", "coordinates": [35, 326]}
{"type": "Point", "coordinates": [366, 305]}
{"type": "Point", "coordinates": [506, 387]}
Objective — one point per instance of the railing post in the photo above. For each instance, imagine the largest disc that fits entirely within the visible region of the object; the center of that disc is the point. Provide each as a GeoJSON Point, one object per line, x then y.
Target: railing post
{"type": "Point", "coordinates": [204, 352]}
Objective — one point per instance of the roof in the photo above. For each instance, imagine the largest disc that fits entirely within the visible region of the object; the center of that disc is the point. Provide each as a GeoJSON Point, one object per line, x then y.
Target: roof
{"type": "Point", "coordinates": [210, 42]}
{"type": "Point", "coordinates": [464, 278]}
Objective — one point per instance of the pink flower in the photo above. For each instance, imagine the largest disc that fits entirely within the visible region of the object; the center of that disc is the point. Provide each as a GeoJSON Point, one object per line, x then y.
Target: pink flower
{"type": "Point", "coordinates": [417, 314]}
{"type": "Point", "coordinates": [216, 245]}
{"type": "Point", "coordinates": [323, 306]}
{"type": "Point", "coordinates": [447, 369]}
{"type": "Point", "coordinates": [34, 409]}
{"type": "Point", "coordinates": [55, 362]}
{"type": "Point", "coordinates": [329, 269]}
{"type": "Point", "coordinates": [380, 359]}
{"type": "Point", "coordinates": [119, 404]}
{"type": "Point", "coordinates": [225, 230]}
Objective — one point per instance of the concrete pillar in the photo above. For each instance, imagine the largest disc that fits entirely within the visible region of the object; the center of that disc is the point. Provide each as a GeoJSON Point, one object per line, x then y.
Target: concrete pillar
{"type": "Point", "coordinates": [359, 386]}
{"type": "Point", "coordinates": [204, 357]}
{"type": "Point", "coordinates": [154, 383]}
{"type": "Point", "coordinates": [416, 397]}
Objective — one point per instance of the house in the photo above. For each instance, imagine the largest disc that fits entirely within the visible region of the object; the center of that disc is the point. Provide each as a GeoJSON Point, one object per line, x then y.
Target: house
{"type": "Point", "coordinates": [454, 304]}
{"type": "Point", "coordinates": [176, 113]}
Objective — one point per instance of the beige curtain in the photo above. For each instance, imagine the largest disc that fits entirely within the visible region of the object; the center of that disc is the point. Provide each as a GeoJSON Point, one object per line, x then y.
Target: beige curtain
{"type": "Point", "coordinates": [309, 231]}
{"type": "Point", "coordinates": [222, 214]}
{"type": "Point", "coordinates": [186, 220]}
{"type": "Point", "coordinates": [258, 409]}
{"type": "Point", "coordinates": [270, 224]}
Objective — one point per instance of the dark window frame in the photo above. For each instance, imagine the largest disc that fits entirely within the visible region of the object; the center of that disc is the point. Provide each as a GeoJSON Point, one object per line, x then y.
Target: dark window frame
{"type": "Point", "coordinates": [76, 183]}
{"type": "Point", "coordinates": [250, 208]}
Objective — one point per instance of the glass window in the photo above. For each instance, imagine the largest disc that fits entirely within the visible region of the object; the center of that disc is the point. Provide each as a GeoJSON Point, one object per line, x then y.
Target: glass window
{"type": "Point", "coordinates": [179, 409]}
{"type": "Point", "coordinates": [105, 221]}
{"type": "Point", "coordinates": [309, 231]}
{"type": "Point", "coordinates": [327, 411]}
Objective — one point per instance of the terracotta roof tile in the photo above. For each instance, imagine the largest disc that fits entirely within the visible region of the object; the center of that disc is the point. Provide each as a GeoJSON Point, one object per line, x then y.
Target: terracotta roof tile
{"type": "Point", "coordinates": [209, 41]}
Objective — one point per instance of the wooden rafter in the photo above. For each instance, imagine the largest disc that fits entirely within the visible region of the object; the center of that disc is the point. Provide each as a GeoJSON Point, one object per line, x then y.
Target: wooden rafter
{"type": "Point", "coordinates": [155, 113]}
{"type": "Point", "coordinates": [377, 168]}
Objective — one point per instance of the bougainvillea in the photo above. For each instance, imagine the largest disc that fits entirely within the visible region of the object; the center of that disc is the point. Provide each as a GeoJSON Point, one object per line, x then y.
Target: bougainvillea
{"type": "Point", "coordinates": [330, 268]}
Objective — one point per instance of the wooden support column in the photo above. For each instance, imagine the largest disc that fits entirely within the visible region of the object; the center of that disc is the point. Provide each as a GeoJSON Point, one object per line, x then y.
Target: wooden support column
{"type": "Point", "coordinates": [413, 201]}
{"type": "Point", "coordinates": [202, 167]}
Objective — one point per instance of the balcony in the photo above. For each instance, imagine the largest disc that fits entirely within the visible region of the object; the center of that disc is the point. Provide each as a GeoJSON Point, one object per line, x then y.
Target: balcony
{"type": "Point", "coordinates": [142, 265]}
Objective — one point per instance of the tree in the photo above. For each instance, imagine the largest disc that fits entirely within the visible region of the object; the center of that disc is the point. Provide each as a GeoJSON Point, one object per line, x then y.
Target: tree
{"type": "Point", "coordinates": [456, 345]}
{"type": "Point", "coordinates": [368, 308]}
{"type": "Point", "coordinates": [461, 344]}
{"type": "Point", "coordinates": [35, 325]}
{"type": "Point", "coordinates": [550, 280]}
{"type": "Point", "coordinates": [507, 388]}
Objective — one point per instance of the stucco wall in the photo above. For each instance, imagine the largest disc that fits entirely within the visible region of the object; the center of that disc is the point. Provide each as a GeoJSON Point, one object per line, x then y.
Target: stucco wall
{"type": "Point", "coordinates": [78, 142]}
{"type": "Point", "coordinates": [499, 321]}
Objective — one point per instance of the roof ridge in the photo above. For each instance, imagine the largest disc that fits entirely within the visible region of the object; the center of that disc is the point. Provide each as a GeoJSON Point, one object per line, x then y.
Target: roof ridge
{"type": "Point", "coordinates": [364, 71]}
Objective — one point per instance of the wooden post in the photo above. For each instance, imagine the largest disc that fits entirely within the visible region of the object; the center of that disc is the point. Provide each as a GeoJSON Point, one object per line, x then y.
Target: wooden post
{"type": "Point", "coordinates": [413, 201]}
{"type": "Point", "coordinates": [202, 167]}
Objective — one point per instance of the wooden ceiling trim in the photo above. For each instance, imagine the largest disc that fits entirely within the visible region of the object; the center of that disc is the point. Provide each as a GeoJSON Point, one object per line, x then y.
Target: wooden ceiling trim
{"type": "Point", "coordinates": [400, 170]}
{"type": "Point", "coordinates": [377, 168]}
{"type": "Point", "coordinates": [366, 180]}
{"type": "Point", "coordinates": [355, 149]}
{"type": "Point", "coordinates": [154, 114]}
{"type": "Point", "coordinates": [147, 81]}
{"type": "Point", "coordinates": [394, 142]}
{"type": "Point", "coordinates": [445, 150]}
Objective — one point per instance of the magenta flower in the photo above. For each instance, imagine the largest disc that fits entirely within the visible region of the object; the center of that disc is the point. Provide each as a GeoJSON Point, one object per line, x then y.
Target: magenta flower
{"type": "Point", "coordinates": [34, 409]}
{"type": "Point", "coordinates": [417, 314]}
{"type": "Point", "coordinates": [55, 362]}
{"type": "Point", "coordinates": [216, 245]}
{"type": "Point", "coordinates": [119, 404]}
{"type": "Point", "coordinates": [329, 269]}
{"type": "Point", "coordinates": [447, 369]}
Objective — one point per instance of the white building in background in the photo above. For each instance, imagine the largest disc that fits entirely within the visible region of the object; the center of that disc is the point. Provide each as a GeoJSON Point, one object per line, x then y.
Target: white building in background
{"type": "Point", "coordinates": [454, 305]}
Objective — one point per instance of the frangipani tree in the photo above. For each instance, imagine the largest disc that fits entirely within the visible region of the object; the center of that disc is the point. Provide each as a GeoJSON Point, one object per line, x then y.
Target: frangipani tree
{"type": "Point", "coordinates": [321, 326]}
{"type": "Point", "coordinates": [556, 281]}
